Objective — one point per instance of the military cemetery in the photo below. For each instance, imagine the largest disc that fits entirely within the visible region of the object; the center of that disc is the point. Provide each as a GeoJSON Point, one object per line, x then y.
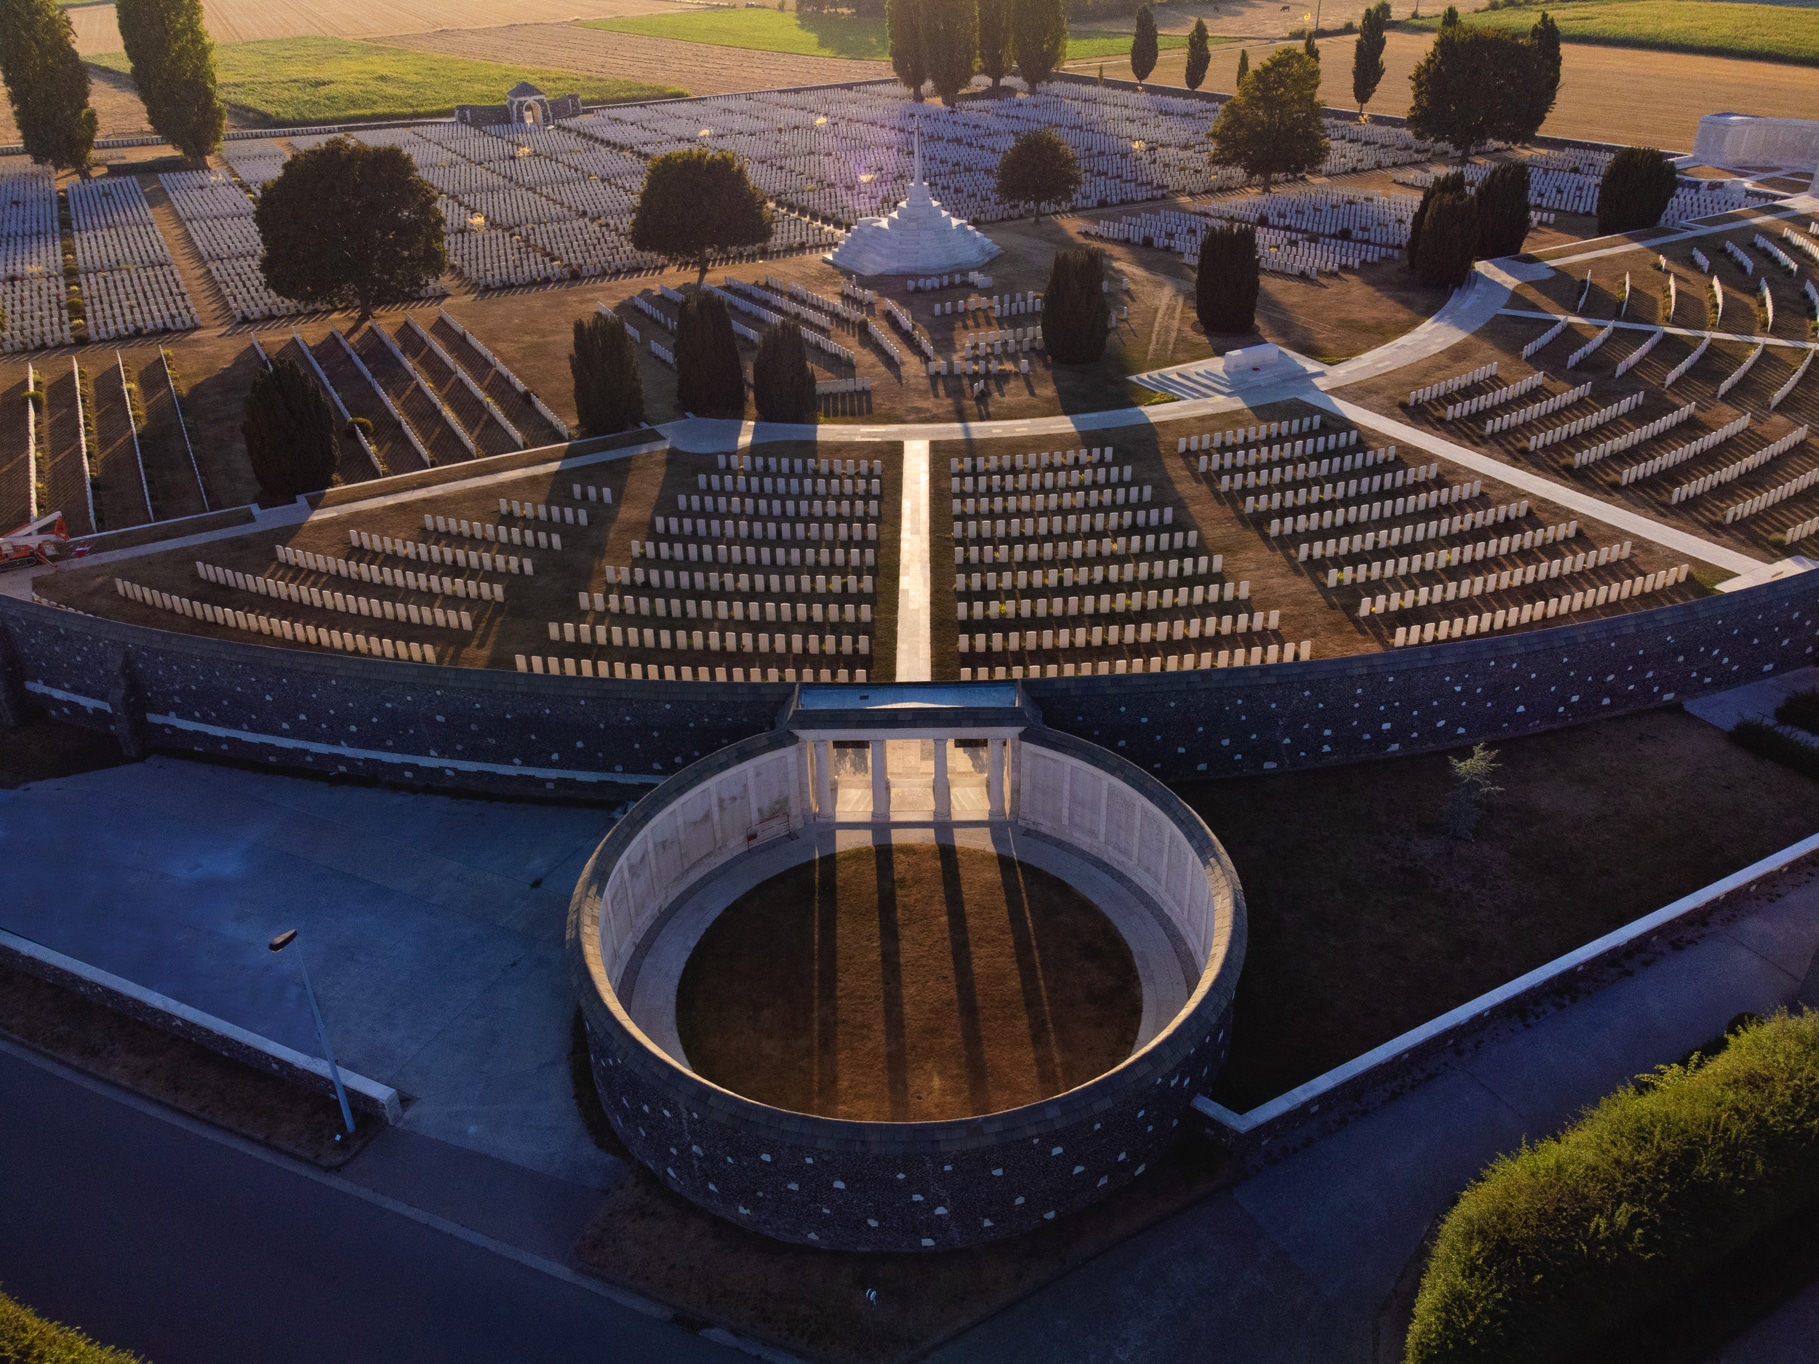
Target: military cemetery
{"type": "Point", "coordinates": [926, 665]}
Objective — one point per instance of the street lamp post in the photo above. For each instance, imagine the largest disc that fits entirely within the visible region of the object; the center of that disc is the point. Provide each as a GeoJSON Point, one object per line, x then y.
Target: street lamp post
{"type": "Point", "coordinates": [278, 944]}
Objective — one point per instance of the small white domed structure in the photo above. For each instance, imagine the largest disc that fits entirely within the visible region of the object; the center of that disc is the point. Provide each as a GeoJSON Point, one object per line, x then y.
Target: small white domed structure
{"type": "Point", "coordinates": [921, 237]}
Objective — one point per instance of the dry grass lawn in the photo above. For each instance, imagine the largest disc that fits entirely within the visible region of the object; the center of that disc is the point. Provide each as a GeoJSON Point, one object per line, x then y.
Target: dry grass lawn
{"type": "Point", "coordinates": [908, 983]}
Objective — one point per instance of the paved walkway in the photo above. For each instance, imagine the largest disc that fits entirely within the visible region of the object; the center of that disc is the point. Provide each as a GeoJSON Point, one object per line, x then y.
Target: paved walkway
{"type": "Point", "coordinates": [433, 928]}
{"type": "Point", "coordinates": [1298, 1262]}
{"type": "Point", "coordinates": [915, 624]}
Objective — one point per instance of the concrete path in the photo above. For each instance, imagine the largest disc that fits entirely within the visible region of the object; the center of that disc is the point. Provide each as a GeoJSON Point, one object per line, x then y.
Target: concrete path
{"type": "Point", "coordinates": [915, 624]}
{"type": "Point", "coordinates": [1586, 505]}
{"type": "Point", "coordinates": [1298, 1262]}
{"type": "Point", "coordinates": [1756, 701]}
{"type": "Point", "coordinates": [433, 928]}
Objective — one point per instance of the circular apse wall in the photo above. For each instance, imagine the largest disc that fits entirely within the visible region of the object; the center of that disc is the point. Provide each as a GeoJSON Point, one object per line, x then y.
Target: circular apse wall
{"type": "Point", "coordinates": [651, 902]}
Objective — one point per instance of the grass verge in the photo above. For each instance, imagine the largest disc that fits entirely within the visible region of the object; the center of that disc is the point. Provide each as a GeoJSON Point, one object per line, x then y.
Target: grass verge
{"type": "Point", "coordinates": [1768, 33]}
{"type": "Point", "coordinates": [817, 35]}
{"type": "Point", "coordinates": [30, 1339]}
{"type": "Point", "coordinates": [308, 80]}
{"type": "Point", "coordinates": [189, 1077]}
{"type": "Point", "coordinates": [1393, 922]}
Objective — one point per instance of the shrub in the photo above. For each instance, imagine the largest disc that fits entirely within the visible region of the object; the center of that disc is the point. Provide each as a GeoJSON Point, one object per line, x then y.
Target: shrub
{"type": "Point", "coordinates": [1765, 741]}
{"type": "Point", "coordinates": [1449, 236]}
{"type": "Point", "coordinates": [289, 431]}
{"type": "Point", "coordinates": [1075, 314]}
{"type": "Point", "coordinates": [609, 390]}
{"type": "Point", "coordinates": [783, 386]}
{"type": "Point", "coordinates": [1503, 217]}
{"type": "Point", "coordinates": [709, 379]}
{"type": "Point", "coordinates": [1800, 710]}
{"type": "Point", "coordinates": [1225, 283]}
{"type": "Point", "coordinates": [30, 1339]}
{"type": "Point", "coordinates": [1555, 1245]}
{"type": "Point", "coordinates": [1635, 191]}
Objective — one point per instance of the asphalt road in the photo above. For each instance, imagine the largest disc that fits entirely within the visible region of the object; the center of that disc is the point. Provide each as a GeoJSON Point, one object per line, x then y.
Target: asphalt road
{"type": "Point", "coordinates": [163, 1240]}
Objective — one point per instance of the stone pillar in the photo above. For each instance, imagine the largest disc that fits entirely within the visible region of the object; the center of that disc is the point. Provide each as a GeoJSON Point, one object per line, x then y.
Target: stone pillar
{"type": "Point", "coordinates": [824, 780]}
{"type": "Point", "coordinates": [881, 783]}
{"type": "Point", "coordinates": [944, 796]}
{"type": "Point", "coordinates": [994, 777]}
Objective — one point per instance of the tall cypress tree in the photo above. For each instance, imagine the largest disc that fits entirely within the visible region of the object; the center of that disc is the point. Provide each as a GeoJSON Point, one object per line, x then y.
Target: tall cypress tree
{"type": "Point", "coordinates": [1244, 67]}
{"type": "Point", "coordinates": [1452, 183]}
{"type": "Point", "coordinates": [950, 40]}
{"type": "Point", "coordinates": [1449, 236]}
{"type": "Point", "coordinates": [174, 69]}
{"type": "Point", "coordinates": [783, 386]}
{"type": "Point", "coordinates": [903, 32]}
{"type": "Point", "coordinates": [1543, 84]}
{"type": "Point", "coordinates": [1039, 38]}
{"type": "Point", "coordinates": [1367, 56]}
{"type": "Point", "coordinates": [1144, 45]}
{"type": "Point", "coordinates": [289, 431]}
{"type": "Point", "coordinates": [1199, 55]}
{"type": "Point", "coordinates": [709, 379]}
{"type": "Point", "coordinates": [1503, 216]}
{"type": "Point", "coordinates": [609, 390]}
{"type": "Point", "coordinates": [1637, 186]}
{"type": "Point", "coordinates": [1076, 318]}
{"type": "Point", "coordinates": [995, 39]}
{"type": "Point", "coordinates": [1226, 282]}
{"type": "Point", "coordinates": [47, 83]}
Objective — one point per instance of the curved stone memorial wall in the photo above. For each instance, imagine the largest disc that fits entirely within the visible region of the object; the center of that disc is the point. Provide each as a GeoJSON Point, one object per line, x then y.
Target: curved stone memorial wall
{"type": "Point", "coordinates": [895, 1186]}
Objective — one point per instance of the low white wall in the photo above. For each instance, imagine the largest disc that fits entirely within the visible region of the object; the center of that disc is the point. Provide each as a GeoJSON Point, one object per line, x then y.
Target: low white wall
{"type": "Point", "coordinates": [1745, 140]}
{"type": "Point", "coordinates": [688, 839]}
{"type": "Point", "coordinates": [1078, 803]}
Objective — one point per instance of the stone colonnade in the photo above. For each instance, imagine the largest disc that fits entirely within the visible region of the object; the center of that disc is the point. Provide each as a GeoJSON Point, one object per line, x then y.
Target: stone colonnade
{"type": "Point", "coordinates": [1000, 749]}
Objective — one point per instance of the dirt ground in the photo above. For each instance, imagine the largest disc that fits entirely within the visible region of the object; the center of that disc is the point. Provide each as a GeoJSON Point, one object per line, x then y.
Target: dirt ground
{"type": "Point", "coordinates": [696, 67]}
{"type": "Point", "coordinates": [908, 983]}
{"type": "Point", "coordinates": [1607, 94]}
{"type": "Point", "coordinates": [1396, 922]}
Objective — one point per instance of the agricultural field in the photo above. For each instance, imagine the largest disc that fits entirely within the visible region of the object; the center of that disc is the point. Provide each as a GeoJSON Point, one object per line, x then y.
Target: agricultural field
{"type": "Point", "coordinates": [1770, 33]}
{"type": "Point", "coordinates": [1607, 94]}
{"type": "Point", "coordinates": [818, 35]}
{"type": "Point", "coordinates": [701, 68]}
{"type": "Point", "coordinates": [242, 21]}
{"type": "Point", "coordinates": [309, 80]}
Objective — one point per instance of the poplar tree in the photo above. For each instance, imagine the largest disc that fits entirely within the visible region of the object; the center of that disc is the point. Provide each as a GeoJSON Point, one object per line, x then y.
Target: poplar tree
{"type": "Point", "coordinates": [1367, 56]}
{"type": "Point", "coordinates": [903, 33]}
{"type": "Point", "coordinates": [1199, 55]}
{"type": "Point", "coordinates": [1039, 38]}
{"type": "Point", "coordinates": [950, 42]}
{"type": "Point", "coordinates": [47, 83]}
{"type": "Point", "coordinates": [1144, 45]}
{"type": "Point", "coordinates": [174, 69]}
{"type": "Point", "coordinates": [995, 39]}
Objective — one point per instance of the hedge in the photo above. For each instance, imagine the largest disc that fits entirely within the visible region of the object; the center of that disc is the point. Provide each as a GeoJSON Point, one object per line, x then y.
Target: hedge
{"type": "Point", "coordinates": [27, 1338]}
{"type": "Point", "coordinates": [1765, 741]}
{"type": "Point", "coordinates": [1555, 1245]}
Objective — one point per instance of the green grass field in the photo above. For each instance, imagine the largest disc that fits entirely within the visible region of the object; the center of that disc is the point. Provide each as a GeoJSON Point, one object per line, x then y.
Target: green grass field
{"type": "Point", "coordinates": [296, 81]}
{"type": "Point", "coordinates": [816, 35]}
{"type": "Point", "coordinates": [1771, 32]}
